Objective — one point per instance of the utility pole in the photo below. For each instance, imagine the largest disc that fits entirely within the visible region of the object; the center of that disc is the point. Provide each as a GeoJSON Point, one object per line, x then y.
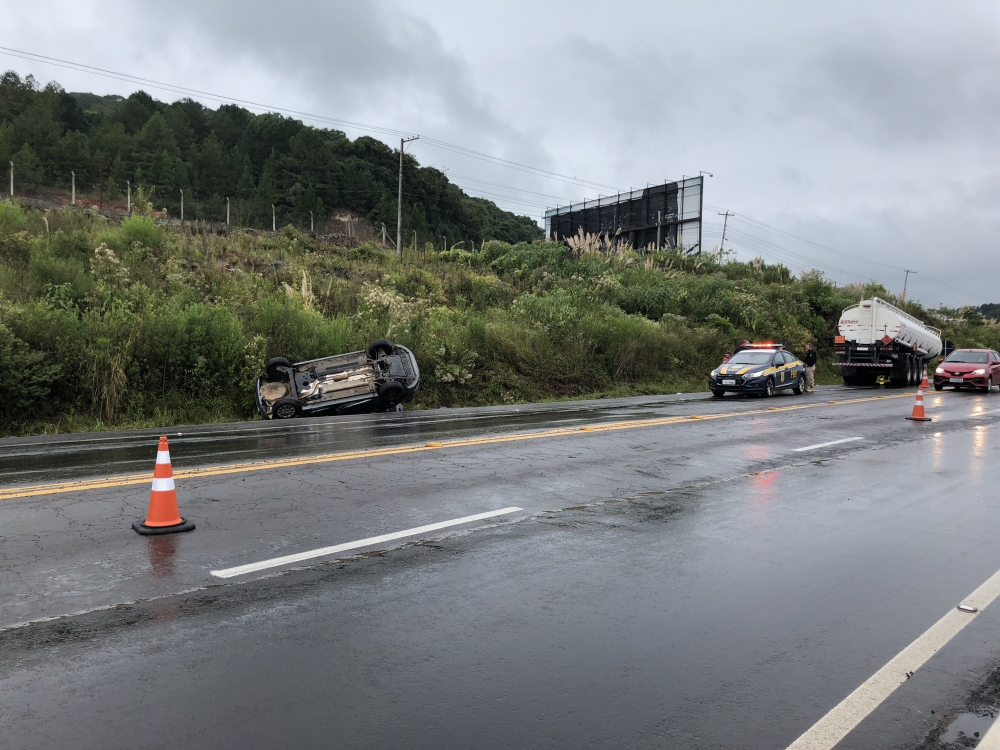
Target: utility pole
{"type": "Point", "coordinates": [725, 221]}
{"type": "Point", "coordinates": [399, 205]}
{"type": "Point", "coordinates": [12, 180]}
{"type": "Point", "coordinates": [182, 206]}
{"type": "Point", "coordinates": [227, 211]}
{"type": "Point", "coordinates": [659, 228]}
{"type": "Point", "coordinates": [414, 241]}
{"type": "Point", "coordinates": [312, 226]}
{"type": "Point", "coordinates": [128, 184]}
{"type": "Point", "coordinates": [274, 221]}
{"type": "Point", "coordinates": [72, 178]}
{"type": "Point", "coordinates": [906, 279]}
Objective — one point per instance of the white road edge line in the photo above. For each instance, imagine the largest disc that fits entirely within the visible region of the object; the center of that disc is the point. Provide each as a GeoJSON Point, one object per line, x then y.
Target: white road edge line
{"type": "Point", "coordinates": [991, 740]}
{"type": "Point", "coordinates": [832, 728]}
{"type": "Point", "coordinates": [276, 562]}
{"type": "Point", "coordinates": [825, 445]}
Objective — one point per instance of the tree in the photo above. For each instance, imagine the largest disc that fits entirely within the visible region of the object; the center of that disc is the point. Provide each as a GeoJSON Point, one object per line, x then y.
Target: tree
{"type": "Point", "coordinates": [27, 169]}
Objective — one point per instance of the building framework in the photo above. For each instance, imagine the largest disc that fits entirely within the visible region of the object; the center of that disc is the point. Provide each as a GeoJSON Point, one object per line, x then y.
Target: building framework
{"type": "Point", "coordinates": [666, 216]}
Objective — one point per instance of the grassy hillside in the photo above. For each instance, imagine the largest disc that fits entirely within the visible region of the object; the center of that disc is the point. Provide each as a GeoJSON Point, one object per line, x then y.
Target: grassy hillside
{"type": "Point", "coordinates": [107, 325]}
{"type": "Point", "coordinates": [255, 160]}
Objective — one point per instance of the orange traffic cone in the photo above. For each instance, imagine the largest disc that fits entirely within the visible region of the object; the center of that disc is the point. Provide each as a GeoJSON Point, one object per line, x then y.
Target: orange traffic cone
{"type": "Point", "coordinates": [163, 516]}
{"type": "Point", "coordinates": [923, 383]}
{"type": "Point", "coordinates": [918, 407]}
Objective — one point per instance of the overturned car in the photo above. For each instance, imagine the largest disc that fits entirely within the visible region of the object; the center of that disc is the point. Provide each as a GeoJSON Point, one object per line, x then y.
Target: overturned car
{"type": "Point", "coordinates": [380, 379]}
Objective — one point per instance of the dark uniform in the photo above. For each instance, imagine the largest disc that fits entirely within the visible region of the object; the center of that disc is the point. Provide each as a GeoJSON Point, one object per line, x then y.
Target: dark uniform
{"type": "Point", "coordinates": [810, 362]}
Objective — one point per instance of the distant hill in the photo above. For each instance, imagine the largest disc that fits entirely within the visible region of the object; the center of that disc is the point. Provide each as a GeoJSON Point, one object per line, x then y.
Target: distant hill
{"type": "Point", "coordinates": [255, 160]}
{"type": "Point", "coordinates": [990, 310]}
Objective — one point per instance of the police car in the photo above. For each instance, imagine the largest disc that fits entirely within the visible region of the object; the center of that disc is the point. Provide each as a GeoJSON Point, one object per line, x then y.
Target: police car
{"type": "Point", "coordinates": [759, 368]}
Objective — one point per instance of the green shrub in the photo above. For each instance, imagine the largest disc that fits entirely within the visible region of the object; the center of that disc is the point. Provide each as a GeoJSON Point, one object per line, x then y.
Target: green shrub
{"type": "Point", "coordinates": [12, 218]}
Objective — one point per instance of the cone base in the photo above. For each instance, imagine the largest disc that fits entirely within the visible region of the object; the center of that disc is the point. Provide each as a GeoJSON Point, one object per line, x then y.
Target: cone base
{"type": "Point", "coordinates": [918, 419]}
{"type": "Point", "coordinates": [145, 530]}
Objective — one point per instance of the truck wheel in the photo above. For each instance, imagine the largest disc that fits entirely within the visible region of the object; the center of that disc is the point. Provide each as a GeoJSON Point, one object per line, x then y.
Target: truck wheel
{"type": "Point", "coordinates": [769, 388]}
{"type": "Point", "coordinates": [379, 348]}
{"type": "Point", "coordinates": [271, 368]}
{"type": "Point", "coordinates": [286, 408]}
{"type": "Point", "coordinates": [800, 386]}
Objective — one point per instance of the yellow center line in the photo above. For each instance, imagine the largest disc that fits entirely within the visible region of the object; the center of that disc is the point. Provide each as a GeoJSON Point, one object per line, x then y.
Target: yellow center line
{"type": "Point", "coordinates": [281, 463]}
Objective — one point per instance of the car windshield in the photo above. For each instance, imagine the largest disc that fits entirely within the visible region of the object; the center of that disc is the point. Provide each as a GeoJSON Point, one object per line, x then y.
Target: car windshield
{"type": "Point", "coordinates": [751, 358]}
{"type": "Point", "coordinates": [973, 358]}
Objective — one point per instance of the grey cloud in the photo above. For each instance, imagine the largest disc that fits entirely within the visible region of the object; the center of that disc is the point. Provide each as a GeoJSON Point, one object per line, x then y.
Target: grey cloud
{"type": "Point", "coordinates": [928, 92]}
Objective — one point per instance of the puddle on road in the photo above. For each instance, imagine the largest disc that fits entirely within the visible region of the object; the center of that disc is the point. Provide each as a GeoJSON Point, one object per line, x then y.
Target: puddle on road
{"type": "Point", "coordinates": [971, 726]}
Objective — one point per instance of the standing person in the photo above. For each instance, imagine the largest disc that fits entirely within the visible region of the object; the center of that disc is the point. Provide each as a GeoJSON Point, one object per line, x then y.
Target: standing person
{"type": "Point", "coordinates": [728, 356]}
{"type": "Point", "coordinates": [744, 345]}
{"type": "Point", "coordinates": [810, 362]}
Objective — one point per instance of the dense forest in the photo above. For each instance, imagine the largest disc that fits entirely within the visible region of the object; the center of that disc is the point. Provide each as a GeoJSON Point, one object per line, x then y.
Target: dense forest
{"type": "Point", "coordinates": [255, 160]}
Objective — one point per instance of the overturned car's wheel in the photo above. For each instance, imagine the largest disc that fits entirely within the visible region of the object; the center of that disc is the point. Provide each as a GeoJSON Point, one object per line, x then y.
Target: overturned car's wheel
{"type": "Point", "coordinates": [391, 393]}
{"type": "Point", "coordinates": [286, 408]}
{"type": "Point", "coordinates": [379, 348]}
{"type": "Point", "coordinates": [271, 368]}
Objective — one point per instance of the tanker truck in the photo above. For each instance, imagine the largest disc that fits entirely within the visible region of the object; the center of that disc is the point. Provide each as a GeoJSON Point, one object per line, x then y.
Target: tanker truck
{"type": "Point", "coordinates": [879, 344]}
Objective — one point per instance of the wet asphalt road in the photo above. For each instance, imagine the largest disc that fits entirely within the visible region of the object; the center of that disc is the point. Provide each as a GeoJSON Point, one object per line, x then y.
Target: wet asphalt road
{"type": "Point", "coordinates": [695, 583]}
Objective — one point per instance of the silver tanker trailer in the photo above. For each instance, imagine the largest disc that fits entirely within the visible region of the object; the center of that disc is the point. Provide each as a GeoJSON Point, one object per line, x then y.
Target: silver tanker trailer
{"type": "Point", "coordinates": [879, 344]}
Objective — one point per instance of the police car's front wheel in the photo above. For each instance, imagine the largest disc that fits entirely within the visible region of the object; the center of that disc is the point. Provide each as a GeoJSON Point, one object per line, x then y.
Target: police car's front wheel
{"type": "Point", "coordinates": [769, 388]}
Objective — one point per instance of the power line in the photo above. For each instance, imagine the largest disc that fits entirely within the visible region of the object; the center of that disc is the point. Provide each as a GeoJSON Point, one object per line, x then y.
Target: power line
{"type": "Point", "coordinates": [842, 253]}
{"type": "Point", "coordinates": [506, 187]}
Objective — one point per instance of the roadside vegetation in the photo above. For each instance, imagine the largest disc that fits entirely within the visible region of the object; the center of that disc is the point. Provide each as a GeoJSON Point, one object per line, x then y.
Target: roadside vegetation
{"type": "Point", "coordinates": [105, 325]}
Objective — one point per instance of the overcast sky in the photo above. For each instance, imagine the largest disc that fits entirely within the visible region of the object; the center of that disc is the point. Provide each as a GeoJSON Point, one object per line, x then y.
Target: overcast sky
{"type": "Point", "coordinates": [869, 128]}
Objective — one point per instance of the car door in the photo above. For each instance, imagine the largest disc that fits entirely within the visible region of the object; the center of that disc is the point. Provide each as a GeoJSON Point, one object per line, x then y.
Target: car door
{"type": "Point", "coordinates": [794, 367]}
{"type": "Point", "coordinates": [995, 367]}
{"type": "Point", "coordinates": [781, 360]}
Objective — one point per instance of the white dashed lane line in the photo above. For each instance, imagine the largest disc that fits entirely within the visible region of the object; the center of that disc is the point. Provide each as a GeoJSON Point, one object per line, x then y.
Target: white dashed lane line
{"type": "Point", "coordinates": [827, 445]}
{"type": "Point", "coordinates": [277, 562]}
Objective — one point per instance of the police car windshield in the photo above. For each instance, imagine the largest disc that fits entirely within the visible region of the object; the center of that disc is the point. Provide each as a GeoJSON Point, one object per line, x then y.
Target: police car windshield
{"type": "Point", "coordinates": [751, 358]}
{"type": "Point", "coordinates": [973, 358]}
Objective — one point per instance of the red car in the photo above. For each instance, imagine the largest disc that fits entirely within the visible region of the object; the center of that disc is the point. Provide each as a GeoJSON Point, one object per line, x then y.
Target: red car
{"type": "Point", "coordinates": [969, 368]}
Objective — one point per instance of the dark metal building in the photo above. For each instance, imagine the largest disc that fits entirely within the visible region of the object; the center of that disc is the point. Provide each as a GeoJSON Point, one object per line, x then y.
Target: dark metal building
{"type": "Point", "coordinates": [664, 216]}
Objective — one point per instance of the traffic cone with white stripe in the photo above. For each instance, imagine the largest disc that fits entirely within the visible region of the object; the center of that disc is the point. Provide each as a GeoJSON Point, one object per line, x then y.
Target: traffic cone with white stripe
{"type": "Point", "coordinates": [918, 408]}
{"type": "Point", "coordinates": [163, 516]}
{"type": "Point", "coordinates": [924, 385]}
